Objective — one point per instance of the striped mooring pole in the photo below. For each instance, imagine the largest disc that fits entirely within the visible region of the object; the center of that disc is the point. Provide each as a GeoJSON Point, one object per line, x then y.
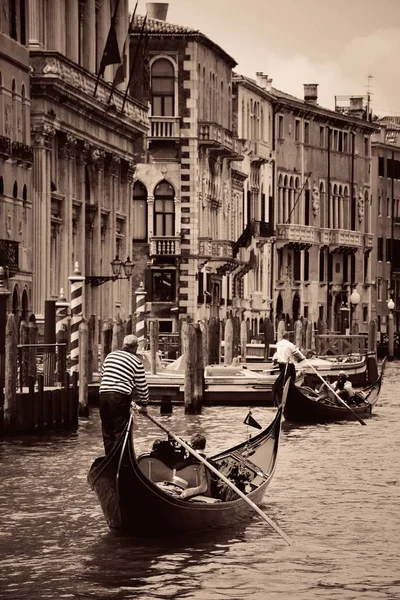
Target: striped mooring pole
{"type": "Point", "coordinates": [140, 315]}
{"type": "Point", "coordinates": [77, 282]}
{"type": "Point", "coordinates": [62, 312]}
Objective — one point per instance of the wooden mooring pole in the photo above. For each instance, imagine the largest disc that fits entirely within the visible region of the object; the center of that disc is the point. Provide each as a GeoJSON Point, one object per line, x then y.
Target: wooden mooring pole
{"type": "Point", "coordinates": [10, 390]}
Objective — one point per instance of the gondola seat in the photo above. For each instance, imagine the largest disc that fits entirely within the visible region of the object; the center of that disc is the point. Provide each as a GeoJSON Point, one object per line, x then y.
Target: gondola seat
{"type": "Point", "coordinates": [154, 468]}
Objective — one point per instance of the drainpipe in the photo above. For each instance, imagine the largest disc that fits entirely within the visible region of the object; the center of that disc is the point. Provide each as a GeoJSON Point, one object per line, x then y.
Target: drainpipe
{"type": "Point", "coordinates": [328, 221]}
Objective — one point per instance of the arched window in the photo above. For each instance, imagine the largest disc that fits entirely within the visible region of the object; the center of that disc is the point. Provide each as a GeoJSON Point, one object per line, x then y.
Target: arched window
{"type": "Point", "coordinates": [15, 190]}
{"type": "Point", "coordinates": [1, 185]}
{"type": "Point", "coordinates": [164, 209]}
{"type": "Point", "coordinates": [24, 193]}
{"type": "Point", "coordinates": [139, 212]}
{"type": "Point", "coordinates": [162, 87]}
{"type": "Point", "coordinates": [87, 185]}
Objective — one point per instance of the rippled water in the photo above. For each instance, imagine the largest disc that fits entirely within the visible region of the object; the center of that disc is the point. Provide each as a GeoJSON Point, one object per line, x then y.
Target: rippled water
{"type": "Point", "coordinates": [335, 493]}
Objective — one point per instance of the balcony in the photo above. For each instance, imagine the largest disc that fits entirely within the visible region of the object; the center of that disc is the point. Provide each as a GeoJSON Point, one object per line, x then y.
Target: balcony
{"type": "Point", "coordinates": [5, 146]}
{"type": "Point", "coordinates": [342, 239]}
{"type": "Point", "coordinates": [22, 153]}
{"type": "Point", "coordinates": [262, 229]}
{"type": "Point", "coordinates": [296, 235]}
{"type": "Point", "coordinates": [55, 75]}
{"type": "Point", "coordinates": [260, 151]}
{"type": "Point", "coordinates": [9, 256]}
{"type": "Point", "coordinates": [165, 246]}
{"type": "Point", "coordinates": [164, 128]}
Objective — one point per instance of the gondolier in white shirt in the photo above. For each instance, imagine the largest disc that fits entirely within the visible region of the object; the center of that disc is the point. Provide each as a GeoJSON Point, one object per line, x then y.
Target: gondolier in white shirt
{"type": "Point", "coordinates": [285, 356]}
{"type": "Point", "coordinates": [121, 374]}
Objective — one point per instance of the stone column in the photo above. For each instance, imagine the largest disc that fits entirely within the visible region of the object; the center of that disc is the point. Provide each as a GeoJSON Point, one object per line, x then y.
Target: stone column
{"type": "Point", "coordinates": [89, 36]}
{"type": "Point", "coordinates": [35, 24]}
{"type": "Point", "coordinates": [41, 209]}
{"type": "Point", "coordinates": [72, 30]}
{"type": "Point", "coordinates": [55, 26]}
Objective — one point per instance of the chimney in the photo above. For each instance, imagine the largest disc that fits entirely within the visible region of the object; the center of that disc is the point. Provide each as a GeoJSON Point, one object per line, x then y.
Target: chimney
{"type": "Point", "coordinates": [356, 107]}
{"type": "Point", "coordinates": [157, 10]}
{"type": "Point", "coordinates": [260, 78]}
{"type": "Point", "coordinates": [311, 93]}
{"type": "Point", "coordinates": [268, 83]}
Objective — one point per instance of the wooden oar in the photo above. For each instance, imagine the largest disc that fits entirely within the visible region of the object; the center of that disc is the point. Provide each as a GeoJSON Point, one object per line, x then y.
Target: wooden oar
{"type": "Point", "coordinates": [221, 476]}
{"type": "Point", "coordinates": [331, 388]}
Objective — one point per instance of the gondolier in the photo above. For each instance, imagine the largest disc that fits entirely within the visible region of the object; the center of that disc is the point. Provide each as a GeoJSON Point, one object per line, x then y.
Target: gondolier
{"type": "Point", "coordinates": [121, 374]}
{"type": "Point", "coordinates": [285, 356]}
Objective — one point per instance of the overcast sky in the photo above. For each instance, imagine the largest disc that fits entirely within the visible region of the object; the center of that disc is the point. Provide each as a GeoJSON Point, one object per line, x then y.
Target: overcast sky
{"type": "Point", "coordinates": [335, 43]}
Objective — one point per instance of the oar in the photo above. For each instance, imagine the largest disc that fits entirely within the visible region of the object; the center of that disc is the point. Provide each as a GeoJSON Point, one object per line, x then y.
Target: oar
{"type": "Point", "coordinates": [331, 388]}
{"type": "Point", "coordinates": [222, 477]}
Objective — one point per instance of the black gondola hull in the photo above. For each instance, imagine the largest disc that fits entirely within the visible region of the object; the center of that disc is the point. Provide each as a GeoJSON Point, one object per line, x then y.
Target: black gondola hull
{"type": "Point", "coordinates": [135, 505]}
{"type": "Point", "coordinates": [306, 409]}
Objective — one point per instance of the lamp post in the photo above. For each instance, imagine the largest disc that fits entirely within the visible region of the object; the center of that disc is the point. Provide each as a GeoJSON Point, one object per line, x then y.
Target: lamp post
{"type": "Point", "coordinates": [390, 306]}
{"type": "Point", "coordinates": [117, 266]}
{"type": "Point", "coordinates": [354, 301]}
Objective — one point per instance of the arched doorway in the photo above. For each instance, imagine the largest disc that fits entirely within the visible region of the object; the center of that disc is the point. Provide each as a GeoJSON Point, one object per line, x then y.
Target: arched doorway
{"type": "Point", "coordinates": [296, 306]}
{"type": "Point", "coordinates": [25, 306]}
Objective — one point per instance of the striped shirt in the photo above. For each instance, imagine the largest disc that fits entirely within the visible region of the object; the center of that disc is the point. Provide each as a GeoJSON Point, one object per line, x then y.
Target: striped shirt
{"type": "Point", "coordinates": [122, 372]}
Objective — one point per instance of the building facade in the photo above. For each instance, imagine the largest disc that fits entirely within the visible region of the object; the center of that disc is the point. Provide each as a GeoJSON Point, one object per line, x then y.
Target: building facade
{"type": "Point", "coordinates": [253, 201]}
{"type": "Point", "coordinates": [323, 212]}
{"type": "Point", "coordinates": [86, 139]}
{"type": "Point", "coordinates": [183, 214]}
{"type": "Point", "coordinates": [386, 209]}
{"type": "Point", "coordinates": [16, 156]}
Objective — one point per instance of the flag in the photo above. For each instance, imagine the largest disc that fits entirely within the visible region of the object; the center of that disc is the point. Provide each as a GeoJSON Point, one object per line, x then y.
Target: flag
{"type": "Point", "coordinates": [133, 65]}
{"type": "Point", "coordinates": [111, 53]}
{"type": "Point", "coordinates": [120, 73]}
{"type": "Point", "coordinates": [249, 420]}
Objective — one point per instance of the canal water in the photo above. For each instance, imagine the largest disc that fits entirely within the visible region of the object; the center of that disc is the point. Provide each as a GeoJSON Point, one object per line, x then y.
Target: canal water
{"type": "Point", "coordinates": [335, 493]}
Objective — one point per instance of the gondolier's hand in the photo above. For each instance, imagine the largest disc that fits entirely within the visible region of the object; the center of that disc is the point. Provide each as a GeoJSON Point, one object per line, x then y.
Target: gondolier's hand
{"type": "Point", "coordinates": [140, 408]}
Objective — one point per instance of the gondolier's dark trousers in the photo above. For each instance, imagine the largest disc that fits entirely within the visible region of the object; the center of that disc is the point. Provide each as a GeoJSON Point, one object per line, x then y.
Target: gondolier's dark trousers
{"type": "Point", "coordinates": [289, 369]}
{"type": "Point", "coordinates": [114, 413]}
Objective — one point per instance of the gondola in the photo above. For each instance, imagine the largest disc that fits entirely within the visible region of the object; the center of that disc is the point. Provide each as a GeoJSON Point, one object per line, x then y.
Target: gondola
{"type": "Point", "coordinates": [139, 495]}
{"type": "Point", "coordinates": [303, 405]}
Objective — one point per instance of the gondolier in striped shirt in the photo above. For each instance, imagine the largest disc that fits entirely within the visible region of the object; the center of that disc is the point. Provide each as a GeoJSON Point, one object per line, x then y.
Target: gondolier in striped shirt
{"type": "Point", "coordinates": [121, 374]}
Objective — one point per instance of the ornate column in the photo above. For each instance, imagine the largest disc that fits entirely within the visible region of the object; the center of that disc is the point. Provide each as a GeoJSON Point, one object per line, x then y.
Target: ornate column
{"type": "Point", "coordinates": [55, 26]}
{"type": "Point", "coordinates": [36, 23]}
{"type": "Point", "coordinates": [89, 36]}
{"type": "Point", "coordinates": [72, 30]}
{"type": "Point", "coordinates": [41, 209]}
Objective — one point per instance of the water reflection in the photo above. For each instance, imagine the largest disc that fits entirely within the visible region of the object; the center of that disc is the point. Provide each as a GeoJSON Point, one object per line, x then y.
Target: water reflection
{"type": "Point", "coordinates": [335, 492]}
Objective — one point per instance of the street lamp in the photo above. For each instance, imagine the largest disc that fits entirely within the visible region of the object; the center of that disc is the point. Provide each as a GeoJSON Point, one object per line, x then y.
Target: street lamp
{"type": "Point", "coordinates": [117, 265]}
{"type": "Point", "coordinates": [344, 311]}
{"type": "Point", "coordinates": [390, 329]}
{"type": "Point", "coordinates": [354, 301]}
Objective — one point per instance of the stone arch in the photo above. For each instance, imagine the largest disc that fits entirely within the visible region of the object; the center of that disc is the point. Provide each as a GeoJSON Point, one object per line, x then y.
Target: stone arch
{"type": "Point", "coordinates": [279, 306]}
{"type": "Point", "coordinates": [1, 185]}
{"type": "Point", "coordinates": [174, 74]}
{"type": "Point", "coordinates": [139, 211]}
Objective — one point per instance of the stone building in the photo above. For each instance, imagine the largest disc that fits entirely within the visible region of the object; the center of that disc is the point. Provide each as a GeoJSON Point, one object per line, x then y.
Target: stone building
{"type": "Point", "coordinates": [253, 199]}
{"type": "Point", "coordinates": [323, 211]}
{"type": "Point", "coordinates": [386, 222]}
{"type": "Point", "coordinates": [86, 138]}
{"type": "Point", "coordinates": [15, 157]}
{"type": "Point", "coordinates": [184, 219]}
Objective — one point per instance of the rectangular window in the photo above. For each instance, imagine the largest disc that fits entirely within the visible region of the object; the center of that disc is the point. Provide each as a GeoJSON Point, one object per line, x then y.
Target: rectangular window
{"type": "Point", "coordinates": [353, 268]}
{"type": "Point", "coordinates": [345, 268]}
{"type": "Point", "coordinates": [388, 207]}
{"type": "Point", "coordinates": [322, 265]}
{"type": "Point", "coordinates": [306, 132]}
{"type": "Point", "coordinates": [389, 168]}
{"type": "Point", "coordinates": [388, 250]}
{"type": "Point", "coordinates": [379, 205]}
{"type": "Point", "coordinates": [321, 136]}
{"type": "Point", "coordinates": [365, 313]}
{"type": "Point", "coordinates": [340, 146]}
{"type": "Point", "coordinates": [200, 287]}
{"type": "Point", "coordinates": [297, 131]}
{"type": "Point", "coordinates": [280, 127]}
{"type": "Point", "coordinates": [163, 286]}
{"type": "Point", "coordinates": [381, 166]}
{"type": "Point", "coordinates": [366, 267]}
{"type": "Point", "coordinates": [296, 265]}
{"type": "Point", "coordinates": [335, 139]}
{"type": "Point", "coordinates": [380, 248]}
{"type": "Point", "coordinates": [366, 145]}
{"type": "Point", "coordinates": [306, 265]}
{"type": "Point", "coordinates": [330, 266]}
{"type": "Point", "coordinates": [345, 142]}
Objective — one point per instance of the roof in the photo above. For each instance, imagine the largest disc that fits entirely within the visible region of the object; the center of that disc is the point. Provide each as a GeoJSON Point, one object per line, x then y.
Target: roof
{"type": "Point", "coordinates": [159, 28]}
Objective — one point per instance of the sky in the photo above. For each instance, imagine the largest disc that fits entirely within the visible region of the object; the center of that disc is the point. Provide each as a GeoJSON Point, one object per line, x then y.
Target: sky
{"type": "Point", "coordinates": [335, 43]}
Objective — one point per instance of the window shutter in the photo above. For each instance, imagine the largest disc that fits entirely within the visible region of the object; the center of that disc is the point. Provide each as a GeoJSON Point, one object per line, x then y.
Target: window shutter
{"type": "Point", "coordinates": [200, 288]}
{"type": "Point", "coordinates": [148, 284]}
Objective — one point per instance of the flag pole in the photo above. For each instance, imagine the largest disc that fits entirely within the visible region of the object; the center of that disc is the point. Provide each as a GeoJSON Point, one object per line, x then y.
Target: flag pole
{"type": "Point", "coordinates": [108, 40]}
{"type": "Point", "coordinates": [114, 85]}
{"type": "Point", "coordinates": [134, 63]}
